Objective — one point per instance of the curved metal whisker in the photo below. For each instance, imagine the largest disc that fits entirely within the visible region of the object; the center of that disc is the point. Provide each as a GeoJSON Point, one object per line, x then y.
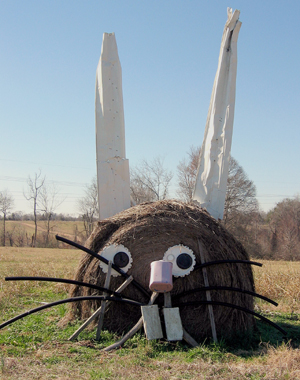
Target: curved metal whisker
{"type": "Point", "coordinates": [63, 280]}
{"type": "Point", "coordinates": [182, 304]}
{"type": "Point", "coordinates": [209, 263]}
{"type": "Point", "coordinates": [203, 289]}
{"type": "Point", "coordinates": [73, 299]}
{"type": "Point", "coordinates": [104, 260]}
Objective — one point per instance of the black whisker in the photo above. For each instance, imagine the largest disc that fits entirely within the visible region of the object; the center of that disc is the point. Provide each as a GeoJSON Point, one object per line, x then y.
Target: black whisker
{"type": "Point", "coordinates": [64, 280]}
{"type": "Point", "coordinates": [104, 260]}
{"type": "Point", "coordinates": [74, 299]}
{"type": "Point", "coordinates": [209, 263]}
{"type": "Point", "coordinates": [203, 289]}
{"type": "Point", "coordinates": [192, 303]}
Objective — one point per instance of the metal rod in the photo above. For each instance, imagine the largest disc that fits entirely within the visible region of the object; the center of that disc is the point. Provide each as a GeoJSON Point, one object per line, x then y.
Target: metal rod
{"type": "Point", "coordinates": [192, 303]}
{"type": "Point", "coordinates": [103, 303]}
{"type": "Point", "coordinates": [208, 296]}
{"type": "Point", "coordinates": [209, 263]}
{"type": "Point", "coordinates": [63, 280]}
{"type": "Point", "coordinates": [96, 313]}
{"type": "Point", "coordinates": [203, 289]}
{"type": "Point", "coordinates": [135, 328]}
{"type": "Point", "coordinates": [74, 299]}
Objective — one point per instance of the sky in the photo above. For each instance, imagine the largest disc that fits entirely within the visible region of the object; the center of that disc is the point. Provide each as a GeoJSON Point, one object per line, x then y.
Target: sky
{"type": "Point", "coordinates": [169, 53]}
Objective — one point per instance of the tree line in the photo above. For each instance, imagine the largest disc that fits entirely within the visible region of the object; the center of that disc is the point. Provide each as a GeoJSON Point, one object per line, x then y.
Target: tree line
{"type": "Point", "coordinates": [272, 235]}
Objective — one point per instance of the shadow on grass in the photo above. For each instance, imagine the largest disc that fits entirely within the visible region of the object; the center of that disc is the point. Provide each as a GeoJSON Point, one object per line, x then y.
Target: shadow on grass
{"type": "Point", "coordinates": [28, 334]}
{"type": "Point", "coordinates": [289, 323]}
{"type": "Point", "coordinates": [254, 343]}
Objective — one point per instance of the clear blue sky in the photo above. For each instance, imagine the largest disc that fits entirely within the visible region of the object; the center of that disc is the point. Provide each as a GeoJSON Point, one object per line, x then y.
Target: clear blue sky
{"type": "Point", "coordinates": [169, 53]}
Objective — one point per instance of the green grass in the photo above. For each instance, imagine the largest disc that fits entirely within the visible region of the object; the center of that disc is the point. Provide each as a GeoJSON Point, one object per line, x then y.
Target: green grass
{"type": "Point", "coordinates": [37, 347]}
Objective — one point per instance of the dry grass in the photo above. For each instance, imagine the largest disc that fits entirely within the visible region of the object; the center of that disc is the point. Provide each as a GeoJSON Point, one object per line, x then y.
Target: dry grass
{"type": "Point", "coordinates": [23, 231]}
{"type": "Point", "coordinates": [59, 226]}
{"type": "Point", "coordinates": [38, 262]}
{"type": "Point", "coordinates": [276, 364]}
{"type": "Point", "coordinates": [60, 359]}
{"type": "Point", "coordinates": [279, 280]}
{"type": "Point", "coordinates": [34, 262]}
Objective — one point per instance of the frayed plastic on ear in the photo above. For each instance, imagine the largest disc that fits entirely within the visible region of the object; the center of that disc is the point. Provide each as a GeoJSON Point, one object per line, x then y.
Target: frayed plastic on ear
{"type": "Point", "coordinates": [119, 255]}
{"type": "Point", "coordinates": [182, 258]}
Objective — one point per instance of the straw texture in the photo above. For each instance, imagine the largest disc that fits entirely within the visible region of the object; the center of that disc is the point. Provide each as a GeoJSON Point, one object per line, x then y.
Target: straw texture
{"type": "Point", "coordinates": [148, 230]}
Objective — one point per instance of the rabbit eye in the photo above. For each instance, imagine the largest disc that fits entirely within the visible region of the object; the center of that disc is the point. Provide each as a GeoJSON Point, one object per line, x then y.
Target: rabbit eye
{"type": "Point", "coordinates": [119, 255]}
{"type": "Point", "coordinates": [121, 259]}
{"type": "Point", "coordinates": [184, 261]}
{"type": "Point", "coordinates": [182, 258]}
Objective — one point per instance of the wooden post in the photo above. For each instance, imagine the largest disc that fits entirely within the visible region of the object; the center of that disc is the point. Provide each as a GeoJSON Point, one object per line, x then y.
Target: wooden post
{"type": "Point", "coordinates": [167, 299]}
{"type": "Point", "coordinates": [189, 339]}
{"type": "Point", "coordinates": [208, 296]}
{"type": "Point", "coordinates": [135, 328]}
{"type": "Point", "coordinates": [103, 303]}
{"type": "Point", "coordinates": [97, 312]}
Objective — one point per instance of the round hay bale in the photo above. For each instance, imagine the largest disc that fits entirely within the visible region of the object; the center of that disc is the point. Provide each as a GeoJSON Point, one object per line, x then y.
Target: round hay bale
{"type": "Point", "coordinates": [147, 231]}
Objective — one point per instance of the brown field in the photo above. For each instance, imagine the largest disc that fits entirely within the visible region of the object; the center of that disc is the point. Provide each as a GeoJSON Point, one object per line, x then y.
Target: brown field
{"type": "Point", "coordinates": [279, 280]}
{"type": "Point", "coordinates": [60, 359]}
{"type": "Point", "coordinates": [65, 228]}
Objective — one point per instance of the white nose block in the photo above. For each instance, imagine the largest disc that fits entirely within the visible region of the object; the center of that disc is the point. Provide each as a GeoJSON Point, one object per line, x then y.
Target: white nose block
{"type": "Point", "coordinates": [161, 280]}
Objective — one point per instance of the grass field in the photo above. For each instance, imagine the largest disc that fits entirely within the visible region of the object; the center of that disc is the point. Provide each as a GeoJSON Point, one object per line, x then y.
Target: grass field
{"type": "Point", "coordinates": [36, 347]}
{"type": "Point", "coordinates": [22, 231]}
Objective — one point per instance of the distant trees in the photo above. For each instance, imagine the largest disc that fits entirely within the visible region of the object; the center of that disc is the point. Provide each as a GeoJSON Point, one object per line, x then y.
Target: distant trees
{"type": "Point", "coordinates": [284, 225]}
{"type": "Point", "coordinates": [150, 181]}
{"type": "Point", "coordinates": [34, 188]}
{"type": "Point", "coordinates": [49, 201]}
{"type": "Point", "coordinates": [44, 198]}
{"type": "Point", "coordinates": [275, 235]}
{"type": "Point", "coordinates": [241, 206]}
{"type": "Point", "coordinates": [241, 192]}
{"type": "Point", "coordinates": [88, 206]}
{"type": "Point", "coordinates": [6, 204]}
{"type": "Point", "coordinates": [187, 172]}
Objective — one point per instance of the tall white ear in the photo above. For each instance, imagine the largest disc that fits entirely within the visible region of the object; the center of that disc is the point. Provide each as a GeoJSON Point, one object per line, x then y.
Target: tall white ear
{"type": "Point", "coordinates": [211, 180]}
{"type": "Point", "coordinates": [112, 165]}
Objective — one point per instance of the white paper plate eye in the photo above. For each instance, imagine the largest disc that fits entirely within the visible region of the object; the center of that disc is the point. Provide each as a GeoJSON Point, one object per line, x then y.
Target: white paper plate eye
{"type": "Point", "coordinates": [183, 260]}
{"type": "Point", "coordinates": [119, 255]}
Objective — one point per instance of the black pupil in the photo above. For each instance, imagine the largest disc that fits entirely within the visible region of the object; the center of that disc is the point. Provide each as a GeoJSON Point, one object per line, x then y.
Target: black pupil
{"type": "Point", "coordinates": [184, 261]}
{"type": "Point", "coordinates": [121, 259]}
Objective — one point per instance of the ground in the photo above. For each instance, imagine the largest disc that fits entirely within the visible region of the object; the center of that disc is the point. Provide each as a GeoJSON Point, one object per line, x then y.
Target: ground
{"type": "Point", "coordinates": [37, 347]}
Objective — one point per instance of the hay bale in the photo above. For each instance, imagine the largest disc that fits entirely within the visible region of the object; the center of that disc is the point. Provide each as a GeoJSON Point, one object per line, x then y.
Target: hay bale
{"type": "Point", "coordinates": [148, 230]}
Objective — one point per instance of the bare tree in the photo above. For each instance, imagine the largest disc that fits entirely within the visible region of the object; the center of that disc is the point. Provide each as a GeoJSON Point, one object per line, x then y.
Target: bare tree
{"type": "Point", "coordinates": [88, 206]}
{"type": "Point", "coordinates": [150, 181]}
{"type": "Point", "coordinates": [49, 202]}
{"type": "Point", "coordinates": [33, 193]}
{"type": "Point", "coordinates": [284, 224]}
{"type": "Point", "coordinates": [6, 204]}
{"type": "Point", "coordinates": [240, 194]}
{"type": "Point", "coordinates": [186, 172]}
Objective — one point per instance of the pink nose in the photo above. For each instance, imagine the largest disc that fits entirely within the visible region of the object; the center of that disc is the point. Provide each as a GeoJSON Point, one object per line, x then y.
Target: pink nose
{"type": "Point", "coordinates": [161, 280]}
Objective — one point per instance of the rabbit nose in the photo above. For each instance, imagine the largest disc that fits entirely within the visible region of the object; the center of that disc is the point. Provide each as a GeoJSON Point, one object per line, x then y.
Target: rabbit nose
{"type": "Point", "coordinates": [161, 280]}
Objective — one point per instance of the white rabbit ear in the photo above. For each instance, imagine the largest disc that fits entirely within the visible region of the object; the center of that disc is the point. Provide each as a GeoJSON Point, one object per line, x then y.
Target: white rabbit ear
{"type": "Point", "coordinates": [119, 255]}
{"type": "Point", "coordinates": [182, 258]}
